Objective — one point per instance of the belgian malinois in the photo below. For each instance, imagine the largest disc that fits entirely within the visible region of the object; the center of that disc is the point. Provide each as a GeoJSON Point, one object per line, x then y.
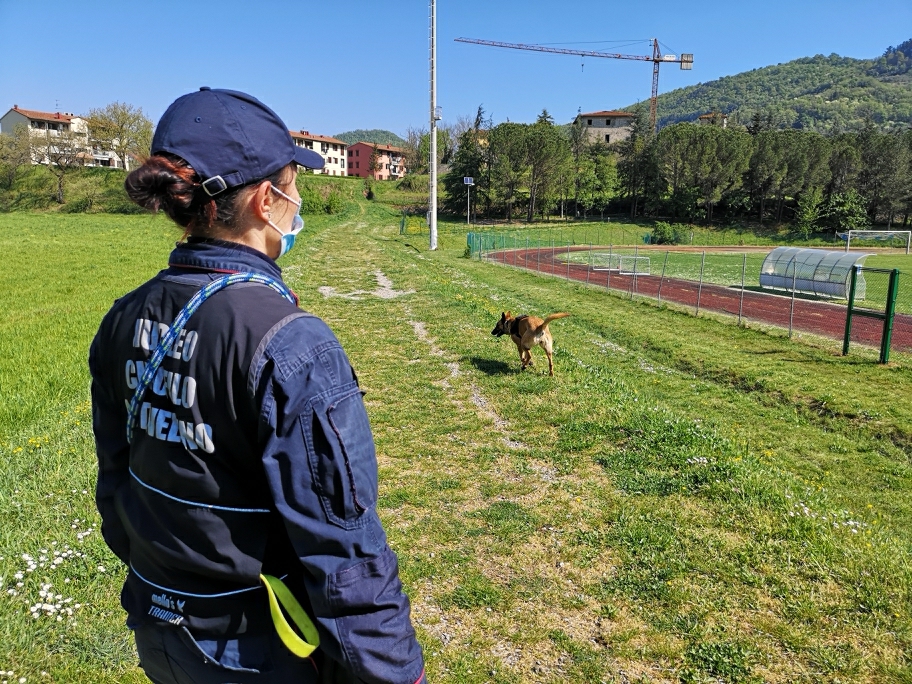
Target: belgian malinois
{"type": "Point", "coordinates": [526, 332]}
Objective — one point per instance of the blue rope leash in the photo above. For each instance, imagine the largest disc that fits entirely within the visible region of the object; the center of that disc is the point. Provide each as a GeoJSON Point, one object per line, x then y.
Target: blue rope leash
{"type": "Point", "coordinates": [180, 321]}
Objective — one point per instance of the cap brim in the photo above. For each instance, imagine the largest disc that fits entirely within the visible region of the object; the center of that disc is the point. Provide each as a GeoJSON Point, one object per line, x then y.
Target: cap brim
{"type": "Point", "coordinates": [308, 158]}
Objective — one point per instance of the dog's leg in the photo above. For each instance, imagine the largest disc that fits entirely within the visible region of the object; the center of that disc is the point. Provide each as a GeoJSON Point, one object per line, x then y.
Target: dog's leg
{"type": "Point", "coordinates": [549, 351]}
{"type": "Point", "coordinates": [522, 357]}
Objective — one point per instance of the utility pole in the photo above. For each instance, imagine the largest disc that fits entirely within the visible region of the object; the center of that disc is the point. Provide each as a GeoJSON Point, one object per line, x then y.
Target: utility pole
{"type": "Point", "coordinates": [432, 162]}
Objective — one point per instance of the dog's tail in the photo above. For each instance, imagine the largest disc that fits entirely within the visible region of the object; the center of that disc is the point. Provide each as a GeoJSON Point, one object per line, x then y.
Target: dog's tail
{"type": "Point", "coordinates": [551, 317]}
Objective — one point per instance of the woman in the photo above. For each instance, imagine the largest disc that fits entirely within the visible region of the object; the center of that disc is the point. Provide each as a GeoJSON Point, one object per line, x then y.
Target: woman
{"type": "Point", "coordinates": [236, 467]}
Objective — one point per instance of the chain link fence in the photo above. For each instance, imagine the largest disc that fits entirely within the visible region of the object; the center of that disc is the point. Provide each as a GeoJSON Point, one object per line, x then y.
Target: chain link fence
{"type": "Point", "coordinates": [723, 282]}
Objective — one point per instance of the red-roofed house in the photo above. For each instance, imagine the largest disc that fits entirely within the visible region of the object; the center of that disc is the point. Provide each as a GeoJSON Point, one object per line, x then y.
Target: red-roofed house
{"type": "Point", "coordinates": [713, 119]}
{"type": "Point", "coordinates": [388, 165]}
{"type": "Point", "coordinates": [45, 125]}
{"type": "Point", "coordinates": [331, 149]}
{"type": "Point", "coordinates": [607, 126]}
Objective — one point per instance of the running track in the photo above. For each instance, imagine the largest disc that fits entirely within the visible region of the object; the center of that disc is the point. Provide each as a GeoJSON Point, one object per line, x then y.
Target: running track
{"type": "Point", "coordinates": [819, 318]}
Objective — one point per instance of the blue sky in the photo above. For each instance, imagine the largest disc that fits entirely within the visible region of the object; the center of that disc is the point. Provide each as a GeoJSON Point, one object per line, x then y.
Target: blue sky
{"type": "Point", "coordinates": [330, 67]}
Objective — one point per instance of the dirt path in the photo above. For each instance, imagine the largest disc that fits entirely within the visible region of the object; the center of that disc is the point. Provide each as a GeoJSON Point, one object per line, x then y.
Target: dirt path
{"type": "Point", "coordinates": [819, 318]}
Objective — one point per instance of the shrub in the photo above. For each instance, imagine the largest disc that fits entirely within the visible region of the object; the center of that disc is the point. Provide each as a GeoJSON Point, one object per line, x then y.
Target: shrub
{"type": "Point", "coordinates": [664, 233]}
{"type": "Point", "coordinates": [311, 199]}
{"type": "Point", "coordinates": [334, 202]}
{"type": "Point", "coordinates": [413, 183]}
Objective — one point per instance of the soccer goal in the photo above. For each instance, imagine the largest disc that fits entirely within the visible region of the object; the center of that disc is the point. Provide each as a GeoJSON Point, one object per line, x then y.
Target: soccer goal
{"type": "Point", "coordinates": [879, 235]}
{"type": "Point", "coordinates": [633, 265]}
{"type": "Point", "coordinates": [605, 261]}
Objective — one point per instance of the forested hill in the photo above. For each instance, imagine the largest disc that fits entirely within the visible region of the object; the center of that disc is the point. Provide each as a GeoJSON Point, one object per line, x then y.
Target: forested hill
{"type": "Point", "coordinates": [374, 135]}
{"type": "Point", "coordinates": [825, 94]}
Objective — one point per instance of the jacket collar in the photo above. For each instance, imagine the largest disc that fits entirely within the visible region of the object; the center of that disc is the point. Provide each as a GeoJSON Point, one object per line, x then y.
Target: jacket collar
{"type": "Point", "coordinates": [221, 256]}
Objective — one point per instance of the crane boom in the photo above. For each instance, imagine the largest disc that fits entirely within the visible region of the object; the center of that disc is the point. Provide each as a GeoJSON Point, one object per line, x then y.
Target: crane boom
{"type": "Point", "coordinates": [686, 61]}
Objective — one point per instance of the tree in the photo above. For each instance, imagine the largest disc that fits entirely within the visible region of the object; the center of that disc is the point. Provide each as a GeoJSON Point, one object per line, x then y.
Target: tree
{"type": "Point", "coordinates": [635, 152]}
{"type": "Point", "coordinates": [373, 163]}
{"type": "Point", "coordinates": [844, 162]}
{"type": "Point", "coordinates": [15, 152]}
{"type": "Point", "coordinates": [414, 162]}
{"type": "Point", "coordinates": [847, 210]}
{"type": "Point", "coordinates": [546, 152]}
{"type": "Point", "coordinates": [62, 150]}
{"type": "Point", "coordinates": [469, 160]}
{"type": "Point", "coordinates": [579, 146]}
{"type": "Point", "coordinates": [810, 210]}
{"type": "Point", "coordinates": [509, 165]}
{"type": "Point", "coordinates": [121, 128]}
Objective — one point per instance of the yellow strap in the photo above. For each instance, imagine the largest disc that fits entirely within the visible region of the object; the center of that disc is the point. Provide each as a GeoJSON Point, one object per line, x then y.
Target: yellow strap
{"type": "Point", "coordinates": [279, 593]}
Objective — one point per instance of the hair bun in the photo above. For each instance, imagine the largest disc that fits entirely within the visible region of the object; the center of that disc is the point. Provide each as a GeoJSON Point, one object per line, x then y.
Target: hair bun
{"type": "Point", "coordinates": [164, 183]}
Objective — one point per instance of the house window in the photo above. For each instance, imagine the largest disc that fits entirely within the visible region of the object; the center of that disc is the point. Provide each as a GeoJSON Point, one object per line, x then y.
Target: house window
{"type": "Point", "coordinates": [343, 162]}
{"type": "Point", "coordinates": [607, 138]}
{"type": "Point", "coordinates": [335, 148]}
{"type": "Point", "coordinates": [358, 165]}
{"type": "Point", "coordinates": [588, 122]}
{"type": "Point", "coordinates": [357, 153]}
{"type": "Point", "coordinates": [309, 145]}
{"type": "Point", "coordinates": [607, 122]}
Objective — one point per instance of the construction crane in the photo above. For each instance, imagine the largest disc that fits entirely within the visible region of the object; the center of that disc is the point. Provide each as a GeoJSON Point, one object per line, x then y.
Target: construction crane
{"type": "Point", "coordinates": [657, 58]}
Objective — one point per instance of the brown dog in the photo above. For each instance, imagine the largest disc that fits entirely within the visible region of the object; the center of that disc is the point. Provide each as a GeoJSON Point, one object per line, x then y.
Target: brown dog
{"type": "Point", "coordinates": [526, 332]}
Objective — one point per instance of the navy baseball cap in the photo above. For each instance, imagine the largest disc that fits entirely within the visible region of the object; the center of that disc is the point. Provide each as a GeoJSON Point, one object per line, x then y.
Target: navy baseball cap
{"type": "Point", "coordinates": [229, 138]}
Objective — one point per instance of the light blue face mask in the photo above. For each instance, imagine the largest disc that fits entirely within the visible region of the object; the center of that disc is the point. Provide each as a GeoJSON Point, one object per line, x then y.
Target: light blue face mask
{"type": "Point", "coordinates": [288, 239]}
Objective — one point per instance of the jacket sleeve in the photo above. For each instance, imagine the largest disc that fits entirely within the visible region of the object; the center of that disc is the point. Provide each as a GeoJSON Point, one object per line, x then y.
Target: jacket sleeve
{"type": "Point", "coordinates": [109, 423]}
{"type": "Point", "coordinates": [321, 466]}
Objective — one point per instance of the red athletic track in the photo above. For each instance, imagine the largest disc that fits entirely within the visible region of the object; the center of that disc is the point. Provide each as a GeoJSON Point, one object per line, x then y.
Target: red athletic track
{"type": "Point", "coordinates": [819, 318]}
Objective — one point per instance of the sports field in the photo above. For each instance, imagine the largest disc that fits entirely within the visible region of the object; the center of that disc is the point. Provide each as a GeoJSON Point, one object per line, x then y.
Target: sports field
{"type": "Point", "coordinates": [684, 501]}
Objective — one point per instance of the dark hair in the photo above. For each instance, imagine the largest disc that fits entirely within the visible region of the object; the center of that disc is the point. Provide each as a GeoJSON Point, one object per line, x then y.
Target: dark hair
{"type": "Point", "coordinates": [168, 183]}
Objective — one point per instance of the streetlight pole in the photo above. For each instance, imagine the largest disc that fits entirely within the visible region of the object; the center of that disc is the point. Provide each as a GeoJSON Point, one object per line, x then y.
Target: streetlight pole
{"type": "Point", "coordinates": [469, 182]}
{"type": "Point", "coordinates": [432, 162]}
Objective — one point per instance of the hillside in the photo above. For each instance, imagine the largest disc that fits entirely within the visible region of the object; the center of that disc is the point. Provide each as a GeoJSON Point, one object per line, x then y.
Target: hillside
{"type": "Point", "coordinates": [825, 94]}
{"type": "Point", "coordinates": [374, 135]}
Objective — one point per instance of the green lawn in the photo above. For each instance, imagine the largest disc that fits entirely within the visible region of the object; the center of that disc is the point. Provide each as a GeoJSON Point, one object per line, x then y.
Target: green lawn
{"type": "Point", "coordinates": [684, 501]}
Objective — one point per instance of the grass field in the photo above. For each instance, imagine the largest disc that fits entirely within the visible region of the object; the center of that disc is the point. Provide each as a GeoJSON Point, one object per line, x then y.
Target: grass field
{"type": "Point", "coordinates": [685, 500]}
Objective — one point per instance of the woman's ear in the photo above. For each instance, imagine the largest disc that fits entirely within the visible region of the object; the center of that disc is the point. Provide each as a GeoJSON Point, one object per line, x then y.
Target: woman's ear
{"type": "Point", "coordinates": [260, 202]}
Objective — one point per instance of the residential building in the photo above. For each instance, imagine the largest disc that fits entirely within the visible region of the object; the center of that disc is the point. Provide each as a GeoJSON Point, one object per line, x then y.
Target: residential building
{"type": "Point", "coordinates": [714, 119]}
{"type": "Point", "coordinates": [607, 126]}
{"type": "Point", "coordinates": [388, 165]}
{"type": "Point", "coordinates": [42, 125]}
{"type": "Point", "coordinates": [331, 149]}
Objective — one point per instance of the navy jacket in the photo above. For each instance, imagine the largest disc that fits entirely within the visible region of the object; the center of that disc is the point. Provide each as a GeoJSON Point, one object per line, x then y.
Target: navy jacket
{"type": "Point", "coordinates": [252, 453]}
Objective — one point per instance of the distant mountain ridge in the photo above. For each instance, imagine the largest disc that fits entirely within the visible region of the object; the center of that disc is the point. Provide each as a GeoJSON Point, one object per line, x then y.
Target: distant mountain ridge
{"type": "Point", "coordinates": [374, 135]}
{"type": "Point", "coordinates": [825, 94]}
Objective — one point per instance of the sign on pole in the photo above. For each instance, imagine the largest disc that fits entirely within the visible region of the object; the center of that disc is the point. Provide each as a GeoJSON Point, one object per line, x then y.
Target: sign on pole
{"type": "Point", "coordinates": [468, 180]}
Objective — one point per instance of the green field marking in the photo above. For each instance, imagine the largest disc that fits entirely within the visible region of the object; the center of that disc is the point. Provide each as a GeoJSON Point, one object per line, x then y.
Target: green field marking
{"type": "Point", "coordinates": [684, 500]}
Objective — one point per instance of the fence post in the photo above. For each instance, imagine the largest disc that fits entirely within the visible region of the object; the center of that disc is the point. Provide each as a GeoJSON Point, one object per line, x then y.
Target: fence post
{"type": "Point", "coordinates": [741, 303]}
{"type": "Point", "coordinates": [568, 261]}
{"type": "Point", "coordinates": [889, 312]}
{"type": "Point", "coordinates": [608, 272]}
{"type": "Point", "coordinates": [633, 278]}
{"type": "Point", "coordinates": [662, 277]}
{"type": "Point", "coordinates": [589, 264]}
{"type": "Point", "coordinates": [851, 303]}
{"type": "Point", "coordinates": [700, 289]}
{"type": "Point", "coordinates": [792, 307]}
{"type": "Point", "coordinates": [538, 257]}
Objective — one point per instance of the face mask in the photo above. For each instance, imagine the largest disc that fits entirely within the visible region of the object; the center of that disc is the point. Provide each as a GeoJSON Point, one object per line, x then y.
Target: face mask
{"type": "Point", "coordinates": [288, 239]}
